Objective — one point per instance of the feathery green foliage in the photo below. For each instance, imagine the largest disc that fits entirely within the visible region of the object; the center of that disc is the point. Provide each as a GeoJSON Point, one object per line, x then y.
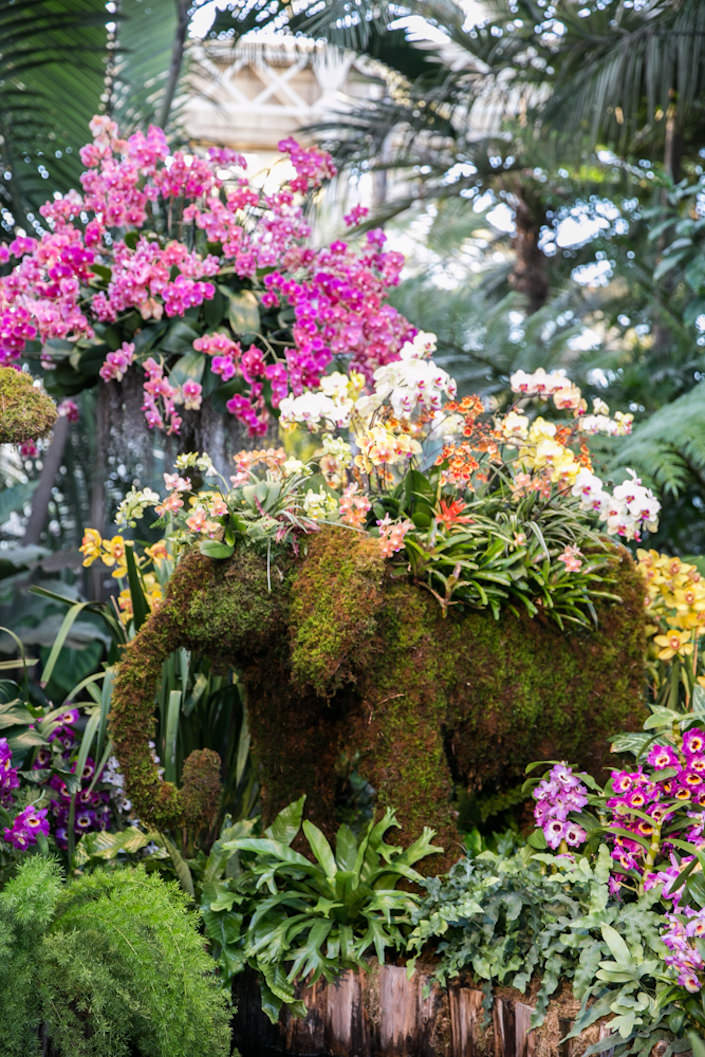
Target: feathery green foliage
{"type": "Point", "coordinates": [110, 964]}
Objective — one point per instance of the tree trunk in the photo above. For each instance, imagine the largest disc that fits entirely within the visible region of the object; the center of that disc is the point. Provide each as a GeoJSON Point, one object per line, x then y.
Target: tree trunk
{"type": "Point", "coordinates": [47, 480]}
{"type": "Point", "coordinates": [530, 273]}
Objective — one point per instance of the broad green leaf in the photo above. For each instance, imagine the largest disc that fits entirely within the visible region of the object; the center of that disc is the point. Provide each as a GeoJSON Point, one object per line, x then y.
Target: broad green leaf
{"type": "Point", "coordinates": [320, 848]}
{"type": "Point", "coordinates": [243, 312]}
{"type": "Point", "coordinates": [616, 944]}
{"type": "Point", "coordinates": [288, 822]}
{"type": "Point", "coordinates": [188, 367]}
{"type": "Point", "coordinates": [215, 549]}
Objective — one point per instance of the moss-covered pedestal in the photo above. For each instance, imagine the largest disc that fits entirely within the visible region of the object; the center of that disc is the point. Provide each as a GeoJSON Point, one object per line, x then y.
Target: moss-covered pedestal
{"type": "Point", "coordinates": [346, 663]}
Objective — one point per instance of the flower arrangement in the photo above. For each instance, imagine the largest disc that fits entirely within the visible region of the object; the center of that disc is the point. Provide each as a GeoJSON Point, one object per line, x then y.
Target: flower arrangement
{"type": "Point", "coordinates": [650, 818]}
{"type": "Point", "coordinates": [62, 793]}
{"type": "Point", "coordinates": [483, 509]}
{"type": "Point", "coordinates": [180, 265]}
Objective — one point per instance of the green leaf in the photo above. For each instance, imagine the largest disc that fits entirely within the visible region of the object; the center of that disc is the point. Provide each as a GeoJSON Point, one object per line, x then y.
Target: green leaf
{"type": "Point", "coordinates": [173, 714]}
{"type": "Point", "coordinates": [106, 845]}
{"type": "Point", "coordinates": [243, 312]}
{"type": "Point", "coordinates": [189, 367]}
{"type": "Point", "coordinates": [616, 944]}
{"type": "Point", "coordinates": [320, 848]}
{"type": "Point", "coordinates": [216, 549]}
{"type": "Point", "coordinates": [288, 822]}
{"type": "Point", "coordinates": [179, 339]}
{"type": "Point", "coordinates": [180, 866]}
{"type": "Point", "coordinates": [140, 608]}
{"type": "Point", "coordinates": [64, 630]}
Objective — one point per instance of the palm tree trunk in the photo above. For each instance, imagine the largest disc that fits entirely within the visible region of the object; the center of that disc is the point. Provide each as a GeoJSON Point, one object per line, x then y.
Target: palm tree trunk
{"type": "Point", "coordinates": [530, 273]}
{"type": "Point", "coordinates": [177, 59]}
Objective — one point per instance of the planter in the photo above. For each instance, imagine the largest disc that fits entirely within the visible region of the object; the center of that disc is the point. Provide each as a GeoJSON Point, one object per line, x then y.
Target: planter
{"type": "Point", "coordinates": [381, 1013]}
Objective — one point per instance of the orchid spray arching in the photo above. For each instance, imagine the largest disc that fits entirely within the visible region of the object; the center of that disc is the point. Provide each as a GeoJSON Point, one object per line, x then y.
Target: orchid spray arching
{"type": "Point", "coordinates": [180, 266]}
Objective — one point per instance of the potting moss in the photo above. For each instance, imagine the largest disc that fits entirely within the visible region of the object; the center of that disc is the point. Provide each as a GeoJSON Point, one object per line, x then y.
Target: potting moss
{"type": "Point", "coordinates": [340, 660]}
{"type": "Point", "coordinates": [26, 412]}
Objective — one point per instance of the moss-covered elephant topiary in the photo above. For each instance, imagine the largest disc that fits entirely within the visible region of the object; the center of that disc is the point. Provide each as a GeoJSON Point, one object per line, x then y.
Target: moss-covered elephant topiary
{"type": "Point", "coordinates": [343, 659]}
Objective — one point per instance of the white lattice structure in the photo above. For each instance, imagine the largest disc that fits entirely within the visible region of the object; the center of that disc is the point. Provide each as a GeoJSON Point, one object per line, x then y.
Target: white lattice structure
{"type": "Point", "coordinates": [250, 96]}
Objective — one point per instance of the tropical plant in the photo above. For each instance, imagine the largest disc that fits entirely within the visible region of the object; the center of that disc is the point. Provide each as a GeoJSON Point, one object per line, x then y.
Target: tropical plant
{"type": "Point", "coordinates": [505, 919]}
{"type": "Point", "coordinates": [487, 513]}
{"type": "Point", "coordinates": [607, 894]}
{"type": "Point", "coordinates": [294, 918]}
{"type": "Point", "coordinates": [110, 963]}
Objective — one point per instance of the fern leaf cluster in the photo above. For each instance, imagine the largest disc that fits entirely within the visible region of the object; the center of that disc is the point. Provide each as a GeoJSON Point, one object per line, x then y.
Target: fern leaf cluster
{"type": "Point", "coordinates": [668, 449]}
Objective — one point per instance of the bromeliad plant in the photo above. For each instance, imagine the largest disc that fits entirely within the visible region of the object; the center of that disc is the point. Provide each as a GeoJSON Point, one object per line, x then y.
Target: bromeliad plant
{"type": "Point", "coordinates": [481, 510]}
{"type": "Point", "coordinates": [294, 918]}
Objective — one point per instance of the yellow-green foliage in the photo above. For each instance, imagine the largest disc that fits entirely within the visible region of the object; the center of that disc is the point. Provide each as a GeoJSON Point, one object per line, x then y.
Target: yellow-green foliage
{"type": "Point", "coordinates": [341, 660]}
{"type": "Point", "coordinates": [25, 412]}
{"type": "Point", "coordinates": [111, 964]}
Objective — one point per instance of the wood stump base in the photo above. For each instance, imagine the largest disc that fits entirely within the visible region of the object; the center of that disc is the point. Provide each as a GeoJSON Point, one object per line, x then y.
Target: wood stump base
{"type": "Point", "coordinates": [381, 1013]}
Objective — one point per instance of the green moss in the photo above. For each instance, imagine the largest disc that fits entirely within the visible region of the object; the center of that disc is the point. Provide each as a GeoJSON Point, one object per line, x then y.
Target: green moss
{"type": "Point", "coordinates": [26, 412]}
{"type": "Point", "coordinates": [335, 595]}
{"type": "Point", "coordinates": [201, 790]}
{"type": "Point", "coordinates": [338, 661]}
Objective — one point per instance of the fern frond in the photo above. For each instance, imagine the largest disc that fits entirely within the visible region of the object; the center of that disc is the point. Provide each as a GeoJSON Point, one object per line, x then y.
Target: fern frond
{"type": "Point", "coordinates": [668, 450]}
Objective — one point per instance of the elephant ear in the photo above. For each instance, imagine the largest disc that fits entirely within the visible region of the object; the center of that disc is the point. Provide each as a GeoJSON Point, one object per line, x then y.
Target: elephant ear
{"type": "Point", "coordinates": [336, 595]}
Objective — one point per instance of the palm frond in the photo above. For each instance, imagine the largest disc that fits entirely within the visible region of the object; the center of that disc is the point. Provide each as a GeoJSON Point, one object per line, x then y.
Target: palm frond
{"type": "Point", "coordinates": [52, 68]}
{"type": "Point", "coordinates": [619, 67]}
{"type": "Point", "coordinates": [143, 43]}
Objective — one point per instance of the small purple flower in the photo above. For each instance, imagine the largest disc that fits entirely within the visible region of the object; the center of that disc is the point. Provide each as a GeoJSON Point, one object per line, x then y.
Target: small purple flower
{"type": "Point", "coordinates": [556, 797]}
{"type": "Point", "coordinates": [662, 756]}
{"type": "Point", "coordinates": [9, 778]}
{"type": "Point", "coordinates": [27, 827]}
{"type": "Point", "coordinates": [694, 742]}
{"type": "Point", "coordinates": [42, 760]}
{"type": "Point", "coordinates": [682, 928]}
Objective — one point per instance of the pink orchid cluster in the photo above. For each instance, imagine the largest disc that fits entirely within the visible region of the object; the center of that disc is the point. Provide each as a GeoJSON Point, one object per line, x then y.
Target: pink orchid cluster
{"type": "Point", "coordinates": [643, 804]}
{"type": "Point", "coordinates": [102, 263]}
